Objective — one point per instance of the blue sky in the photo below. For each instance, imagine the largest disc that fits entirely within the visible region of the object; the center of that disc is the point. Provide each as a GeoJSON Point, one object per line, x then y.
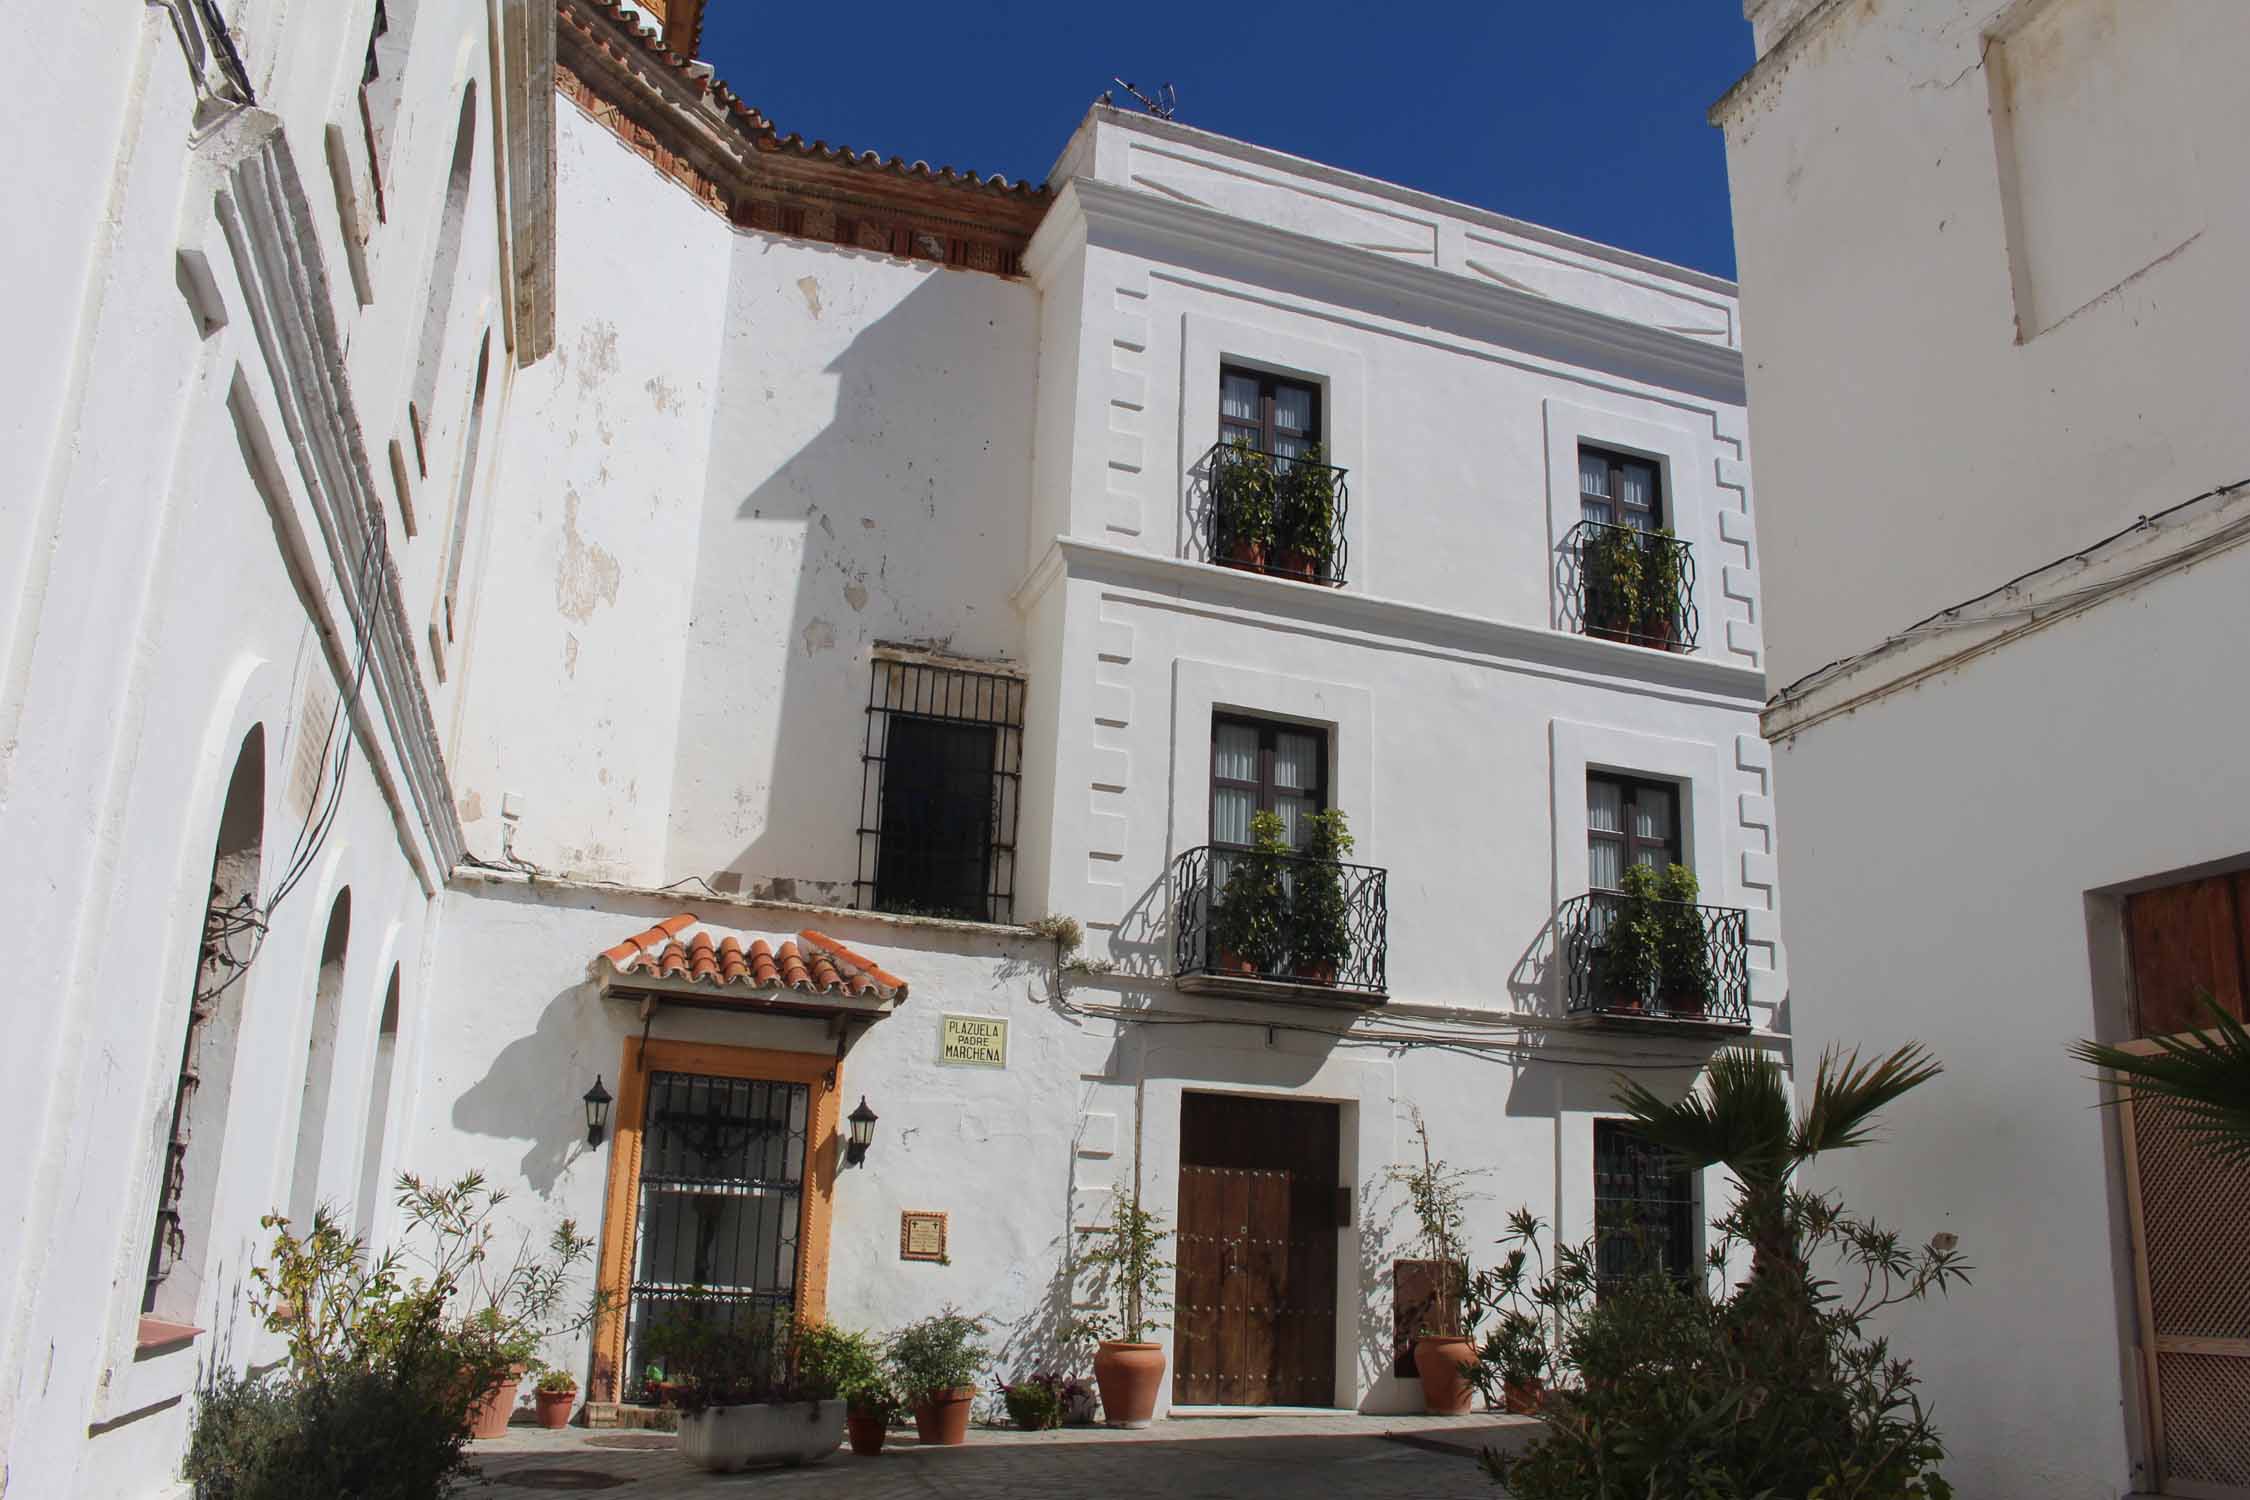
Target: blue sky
{"type": "Point", "coordinates": [1587, 117]}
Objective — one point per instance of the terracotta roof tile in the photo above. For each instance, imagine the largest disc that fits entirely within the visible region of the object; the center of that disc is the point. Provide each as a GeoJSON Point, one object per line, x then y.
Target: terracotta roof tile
{"type": "Point", "coordinates": [822, 967]}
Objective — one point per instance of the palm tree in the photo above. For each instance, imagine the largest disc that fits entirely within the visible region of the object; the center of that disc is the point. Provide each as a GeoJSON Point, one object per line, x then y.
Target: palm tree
{"type": "Point", "coordinates": [2206, 1076]}
{"type": "Point", "coordinates": [1743, 1121]}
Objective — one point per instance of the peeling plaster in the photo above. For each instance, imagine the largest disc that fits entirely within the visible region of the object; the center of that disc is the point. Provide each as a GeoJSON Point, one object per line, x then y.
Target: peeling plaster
{"type": "Point", "coordinates": [660, 392]}
{"type": "Point", "coordinates": [819, 636]}
{"type": "Point", "coordinates": [597, 352]}
{"type": "Point", "coordinates": [855, 594]}
{"type": "Point", "coordinates": [472, 807]}
{"type": "Point", "coordinates": [570, 655]}
{"type": "Point", "coordinates": [810, 286]}
{"type": "Point", "coordinates": [587, 575]}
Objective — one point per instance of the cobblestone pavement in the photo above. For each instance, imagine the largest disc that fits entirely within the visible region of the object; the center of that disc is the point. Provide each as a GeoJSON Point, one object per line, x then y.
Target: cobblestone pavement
{"type": "Point", "coordinates": [1189, 1459]}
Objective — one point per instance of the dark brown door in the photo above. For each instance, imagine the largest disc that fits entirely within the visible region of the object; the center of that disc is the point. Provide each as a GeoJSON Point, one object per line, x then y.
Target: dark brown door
{"type": "Point", "coordinates": [1255, 1304]}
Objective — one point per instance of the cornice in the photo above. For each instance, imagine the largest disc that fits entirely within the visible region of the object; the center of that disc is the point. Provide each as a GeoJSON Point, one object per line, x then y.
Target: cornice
{"type": "Point", "coordinates": [1108, 216]}
{"type": "Point", "coordinates": [1536, 647]}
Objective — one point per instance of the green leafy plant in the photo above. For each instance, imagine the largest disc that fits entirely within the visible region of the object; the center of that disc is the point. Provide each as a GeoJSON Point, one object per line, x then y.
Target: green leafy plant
{"type": "Point", "coordinates": [1438, 1197]}
{"type": "Point", "coordinates": [2205, 1077]}
{"type": "Point", "coordinates": [1319, 935]}
{"type": "Point", "coordinates": [558, 1380]}
{"type": "Point", "coordinates": [1243, 499]}
{"type": "Point", "coordinates": [1662, 574]}
{"type": "Point", "coordinates": [1125, 1258]}
{"type": "Point", "coordinates": [943, 1352]}
{"type": "Point", "coordinates": [1628, 962]}
{"type": "Point", "coordinates": [1611, 563]}
{"type": "Point", "coordinates": [514, 1304]}
{"type": "Point", "coordinates": [1250, 913]}
{"type": "Point", "coordinates": [1683, 957]}
{"type": "Point", "coordinates": [1523, 1294]}
{"type": "Point", "coordinates": [837, 1362]}
{"type": "Point", "coordinates": [1305, 511]}
{"type": "Point", "coordinates": [1033, 1405]}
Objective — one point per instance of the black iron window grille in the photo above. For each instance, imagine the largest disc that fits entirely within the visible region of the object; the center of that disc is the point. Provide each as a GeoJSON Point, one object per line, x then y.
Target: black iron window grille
{"type": "Point", "coordinates": [1269, 512]}
{"type": "Point", "coordinates": [1636, 958]}
{"type": "Point", "coordinates": [717, 1227]}
{"type": "Point", "coordinates": [940, 777]}
{"type": "Point", "coordinates": [1621, 583]}
{"type": "Point", "coordinates": [1644, 1209]}
{"type": "Point", "coordinates": [1291, 896]}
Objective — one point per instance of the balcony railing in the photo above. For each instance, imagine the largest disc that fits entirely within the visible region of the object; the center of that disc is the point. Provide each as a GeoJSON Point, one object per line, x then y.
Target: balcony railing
{"type": "Point", "coordinates": [1313, 926]}
{"type": "Point", "coordinates": [1668, 963]}
{"type": "Point", "coordinates": [1624, 584]}
{"type": "Point", "coordinates": [1271, 514]}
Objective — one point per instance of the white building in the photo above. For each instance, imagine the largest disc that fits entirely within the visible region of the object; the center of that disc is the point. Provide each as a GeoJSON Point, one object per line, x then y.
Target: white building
{"type": "Point", "coordinates": [1994, 316]}
{"type": "Point", "coordinates": [747, 535]}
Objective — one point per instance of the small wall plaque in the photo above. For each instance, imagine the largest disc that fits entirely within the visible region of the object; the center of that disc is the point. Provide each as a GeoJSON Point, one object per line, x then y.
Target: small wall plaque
{"type": "Point", "coordinates": [921, 1235]}
{"type": "Point", "coordinates": [973, 1041]}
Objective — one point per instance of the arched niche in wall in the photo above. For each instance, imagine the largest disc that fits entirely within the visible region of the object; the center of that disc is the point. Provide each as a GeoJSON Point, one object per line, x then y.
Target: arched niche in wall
{"type": "Point", "coordinates": [194, 1144]}
{"type": "Point", "coordinates": [390, 31]}
{"type": "Point", "coordinates": [378, 1113]}
{"type": "Point", "coordinates": [457, 534]}
{"type": "Point", "coordinates": [320, 1064]}
{"type": "Point", "coordinates": [445, 266]}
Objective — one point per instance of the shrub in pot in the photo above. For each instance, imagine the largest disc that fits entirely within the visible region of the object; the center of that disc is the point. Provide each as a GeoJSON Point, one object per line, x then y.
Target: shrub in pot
{"type": "Point", "coordinates": [1629, 961]}
{"type": "Point", "coordinates": [1319, 936]}
{"type": "Point", "coordinates": [1249, 914]}
{"type": "Point", "coordinates": [1305, 515]}
{"type": "Point", "coordinates": [764, 1392]}
{"type": "Point", "coordinates": [1611, 578]}
{"type": "Point", "coordinates": [554, 1396]}
{"type": "Point", "coordinates": [935, 1364]}
{"type": "Point", "coordinates": [1445, 1353]}
{"type": "Point", "coordinates": [1125, 1257]}
{"type": "Point", "coordinates": [1034, 1404]}
{"type": "Point", "coordinates": [1242, 501]}
{"type": "Point", "coordinates": [1513, 1364]}
{"type": "Point", "coordinates": [1683, 957]}
{"type": "Point", "coordinates": [849, 1365]}
{"type": "Point", "coordinates": [1662, 574]}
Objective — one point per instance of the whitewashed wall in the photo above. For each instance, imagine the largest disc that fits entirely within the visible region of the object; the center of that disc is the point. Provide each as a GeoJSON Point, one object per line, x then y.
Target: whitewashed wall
{"type": "Point", "coordinates": [1915, 445]}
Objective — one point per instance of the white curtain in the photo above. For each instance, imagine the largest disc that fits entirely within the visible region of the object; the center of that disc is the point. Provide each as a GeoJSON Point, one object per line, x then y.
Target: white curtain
{"type": "Point", "coordinates": [1296, 771]}
{"type": "Point", "coordinates": [1292, 420]}
{"type": "Point", "coordinates": [1639, 495]}
{"type": "Point", "coordinates": [1605, 813]}
{"type": "Point", "coordinates": [1652, 820]}
{"type": "Point", "coordinates": [1234, 757]}
{"type": "Point", "coordinates": [1593, 489]}
{"type": "Point", "coordinates": [1238, 399]}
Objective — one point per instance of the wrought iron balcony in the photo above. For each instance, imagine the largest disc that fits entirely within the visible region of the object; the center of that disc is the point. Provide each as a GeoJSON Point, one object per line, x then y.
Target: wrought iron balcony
{"type": "Point", "coordinates": [1314, 929]}
{"type": "Point", "coordinates": [1272, 514]}
{"type": "Point", "coordinates": [1631, 961]}
{"type": "Point", "coordinates": [1620, 583]}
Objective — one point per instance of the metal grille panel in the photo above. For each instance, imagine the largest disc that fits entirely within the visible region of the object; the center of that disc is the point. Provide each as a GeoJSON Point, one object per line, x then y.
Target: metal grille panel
{"type": "Point", "coordinates": [2206, 1418]}
{"type": "Point", "coordinates": [2196, 1217]}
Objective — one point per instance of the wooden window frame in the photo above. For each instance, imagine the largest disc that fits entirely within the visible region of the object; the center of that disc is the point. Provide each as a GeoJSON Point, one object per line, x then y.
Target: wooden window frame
{"type": "Point", "coordinates": [1630, 842]}
{"type": "Point", "coordinates": [1616, 461]}
{"type": "Point", "coordinates": [823, 1077]}
{"type": "Point", "coordinates": [1266, 435]}
{"type": "Point", "coordinates": [1263, 788]}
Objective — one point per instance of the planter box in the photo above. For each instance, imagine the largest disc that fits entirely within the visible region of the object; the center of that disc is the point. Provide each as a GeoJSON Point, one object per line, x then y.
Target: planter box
{"type": "Point", "coordinates": [723, 1439]}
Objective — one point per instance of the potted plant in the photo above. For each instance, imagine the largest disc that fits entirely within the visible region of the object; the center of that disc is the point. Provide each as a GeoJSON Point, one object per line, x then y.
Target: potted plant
{"type": "Point", "coordinates": [1517, 1353]}
{"type": "Point", "coordinates": [1034, 1404]}
{"type": "Point", "coordinates": [762, 1394]}
{"type": "Point", "coordinates": [1683, 956]}
{"type": "Point", "coordinates": [871, 1406]}
{"type": "Point", "coordinates": [1305, 515]}
{"type": "Point", "coordinates": [1444, 1352]}
{"type": "Point", "coordinates": [1250, 911]}
{"type": "Point", "coordinates": [1079, 1402]}
{"type": "Point", "coordinates": [1320, 939]}
{"type": "Point", "coordinates": [1662, 574]}
{"type": "Point", "coordinates": [1242, 499]}
{"type": "Point", "coordinates": [850, 1364]}
{"type": "Point", "coordinates": [1628, 963]}
{"type": "Point", "coordinates": [554, 1396]}
{"type": "Point", "coordinates": [1126, 1259]}
{"type": "Point", "coordinates": [1610, 560]}
{"type": "Point", "coordinates": [515, 1349]}
{"type": "Point", "coordinates": [935, 1364]}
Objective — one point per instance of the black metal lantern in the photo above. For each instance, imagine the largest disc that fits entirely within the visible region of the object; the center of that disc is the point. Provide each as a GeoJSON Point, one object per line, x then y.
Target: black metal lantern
{"type": "Point", "coordinates": [597, 1112]}
{"type": "Point", "coordinates": [863, 1133]}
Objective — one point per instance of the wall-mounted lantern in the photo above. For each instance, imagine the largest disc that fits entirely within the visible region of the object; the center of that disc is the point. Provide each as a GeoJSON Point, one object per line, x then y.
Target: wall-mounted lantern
{"type": "Point", "coordinates": [863, 1134]}
{"type": "Point", "coordinates": [597, 1112]}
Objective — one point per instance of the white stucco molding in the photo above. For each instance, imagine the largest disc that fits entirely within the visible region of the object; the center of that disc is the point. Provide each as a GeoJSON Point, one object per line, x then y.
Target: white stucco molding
{"type": "Point", "coordinates": [1688, 454]}
{"type": "Point", "coordinates": [1161, 229]}
{"type": "Point", "coordinates": [1372, 617]}
{"type": "Point", "coordinates": [1698, 766]}
{"type": "Point", "coordinates": [1341, 372]}
{"type": "Point", "coordinates": [1199, 688]}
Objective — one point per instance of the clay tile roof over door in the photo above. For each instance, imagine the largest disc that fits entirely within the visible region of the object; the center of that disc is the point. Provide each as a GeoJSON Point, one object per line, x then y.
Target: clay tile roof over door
{"type": "Point", "coordinates": [813, 964]}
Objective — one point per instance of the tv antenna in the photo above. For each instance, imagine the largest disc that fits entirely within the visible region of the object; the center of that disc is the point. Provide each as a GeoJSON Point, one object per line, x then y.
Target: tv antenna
{"type": "Point", "coordinates": [1164, 105]}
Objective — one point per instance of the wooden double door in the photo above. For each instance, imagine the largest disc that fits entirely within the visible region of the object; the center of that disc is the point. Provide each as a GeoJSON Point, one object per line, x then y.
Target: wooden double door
{"type": "Point", "coordinates": [1254, 1312]}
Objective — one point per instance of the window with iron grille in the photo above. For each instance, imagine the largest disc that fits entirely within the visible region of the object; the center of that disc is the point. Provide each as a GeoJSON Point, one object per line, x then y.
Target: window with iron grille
{"type": "Point", "coordinates": [938, 790]}
{"type": "Point", "coordinates": [1644, 1208]}
{"type": "Point", "coordinates": [1272, 415]}
{"type": "Point", "coordinates": [1629, 822]}
{"type": "Point", "coordinates": [1259, 766]}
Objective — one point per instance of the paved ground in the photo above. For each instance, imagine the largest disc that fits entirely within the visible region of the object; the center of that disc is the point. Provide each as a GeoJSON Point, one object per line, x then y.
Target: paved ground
{"type": "Point", "coordinates": [1190, 1459]}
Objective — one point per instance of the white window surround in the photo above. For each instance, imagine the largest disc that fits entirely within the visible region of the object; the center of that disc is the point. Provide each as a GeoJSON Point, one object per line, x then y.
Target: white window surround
{"type": "Point", "coordinates": [1689, 460]}
{"type": "Point", "coordinates": [1200, 688]}
{"type": "Point", "coordinates": [1206, 343]}
{"type": "Point", "coordinates": [1697, 767]}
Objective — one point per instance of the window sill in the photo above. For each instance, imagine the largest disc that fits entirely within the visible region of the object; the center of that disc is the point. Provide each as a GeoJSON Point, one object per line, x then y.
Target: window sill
{"type": "Point", "coordinates": [155, 1336]}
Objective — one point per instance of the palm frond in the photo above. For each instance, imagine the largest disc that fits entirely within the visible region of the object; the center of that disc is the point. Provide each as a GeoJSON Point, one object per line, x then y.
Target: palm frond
{"type": "Point", "coordinates": [1846, 1094]}
{"type": "Point", "coordinates": [1739, 1118]}
{"type": "Point", "coordinates": [2206, 1077]}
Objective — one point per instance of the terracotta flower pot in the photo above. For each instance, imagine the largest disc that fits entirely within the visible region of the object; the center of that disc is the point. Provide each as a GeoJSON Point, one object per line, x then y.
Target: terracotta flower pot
{"type": "Point", "coordinates": [942, 1419]}
{"type": "Point", "coordinates": [1231, 962]}
{"type": "Point", "coordinates": [1129, 1375]}
{"type": "Point", "coordinates": [1523, 1398]}
{"type": "Point", "coordinates": [1247, 554]}
{"type": "Point", "coordinates": [1443, 1361]}
{"type": "Point", "coordinates": [1299, 564]}
{"type": "Point", "coordinates": [1320, 973]}
{"type": "Point", "coordinates": [867, 1432]}
{"type": "Point", "coordinates": [489, 1413]}
{"type": "Point", "coordinates": [554, 1407]}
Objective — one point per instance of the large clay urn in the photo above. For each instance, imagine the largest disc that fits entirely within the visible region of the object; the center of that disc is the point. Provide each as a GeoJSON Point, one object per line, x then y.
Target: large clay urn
{"type": "Point", "coordinates": [1130, 1375]}
{"type": "Point", "coordinates": [1444, 1360]}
